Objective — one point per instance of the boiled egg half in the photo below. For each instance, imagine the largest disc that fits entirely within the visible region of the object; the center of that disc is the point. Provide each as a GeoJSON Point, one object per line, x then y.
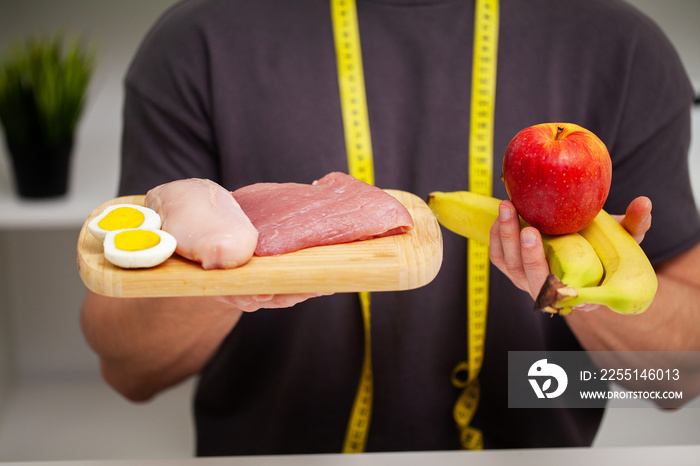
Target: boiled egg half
{"type": "Point", "coordinates": [138, 248]}
{"type": "Point", "coordinates": [122, 217]}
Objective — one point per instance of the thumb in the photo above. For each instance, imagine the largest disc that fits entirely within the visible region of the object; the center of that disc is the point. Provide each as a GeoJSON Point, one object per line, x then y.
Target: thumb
{"type": "Point", "coordinates": [637, 218]}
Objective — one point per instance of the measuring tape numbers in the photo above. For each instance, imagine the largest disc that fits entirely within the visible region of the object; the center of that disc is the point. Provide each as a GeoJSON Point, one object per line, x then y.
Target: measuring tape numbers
{"type": "Point", "coordinates": [483, 96]}
{"type": "Point", "coordinates": [351, 82]}
{"type": "Point", "coordinates": [360, 165]}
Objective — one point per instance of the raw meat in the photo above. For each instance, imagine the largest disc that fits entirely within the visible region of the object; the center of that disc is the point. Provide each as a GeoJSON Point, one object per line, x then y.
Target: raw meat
{"type": "Point", "coordinates": [338, 208]}
{"type": "Point", "coordinates": [207, 222]}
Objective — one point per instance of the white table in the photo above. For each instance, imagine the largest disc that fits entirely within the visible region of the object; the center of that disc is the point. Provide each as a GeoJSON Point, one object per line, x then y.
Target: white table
{"type": "Point", "coordinates": [637, 456]}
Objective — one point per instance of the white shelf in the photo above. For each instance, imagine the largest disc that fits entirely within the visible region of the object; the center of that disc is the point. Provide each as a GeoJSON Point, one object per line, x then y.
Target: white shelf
{"type": "Point", "coordinates": [67, 212]}
{"type": "Point", "coordinates": [93, 180]}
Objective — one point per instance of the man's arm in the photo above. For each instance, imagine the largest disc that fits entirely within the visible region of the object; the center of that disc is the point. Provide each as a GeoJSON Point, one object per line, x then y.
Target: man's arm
{"type": "Point", "coordinates": [146, 345]}
{"type": "Point", "coordinates": [672, 322]}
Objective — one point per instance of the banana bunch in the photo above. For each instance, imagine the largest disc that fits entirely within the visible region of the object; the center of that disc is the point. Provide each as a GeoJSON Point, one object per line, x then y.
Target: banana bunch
{"type": "Point", "coordinates": [601, 264]}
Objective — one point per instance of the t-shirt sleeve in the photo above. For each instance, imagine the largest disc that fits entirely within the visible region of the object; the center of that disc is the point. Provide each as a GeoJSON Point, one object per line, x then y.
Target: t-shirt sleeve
{"type": "Point", "coordinates": [650, 151]}
{"type": "Point", "coordinates": [166, 132]}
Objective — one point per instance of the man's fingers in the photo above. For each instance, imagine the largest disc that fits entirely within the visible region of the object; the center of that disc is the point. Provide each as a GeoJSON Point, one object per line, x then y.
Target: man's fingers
{"type": "Point", "coordinates": [510, 240]}
{"type": "Point", "coordinates": [534, 261]}
{"type": "Point", "coordinates": [495, 248]}
{"type": "Point", "coordinates": [251, 303]}
{"type": "Point", "coordinates": [504, 246]}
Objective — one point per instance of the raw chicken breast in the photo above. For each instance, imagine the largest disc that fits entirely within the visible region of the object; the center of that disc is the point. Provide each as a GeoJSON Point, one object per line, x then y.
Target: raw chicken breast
{"type": "Point", "coordinates": [338, 208]}
{"type": "Point", "coordinates": [207, 222]}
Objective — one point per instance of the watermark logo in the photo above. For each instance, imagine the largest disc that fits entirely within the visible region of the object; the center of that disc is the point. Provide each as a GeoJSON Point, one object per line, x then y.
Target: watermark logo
{"type": "Point", "coordinates": [540, 376]}
{"type": "Point", "coordinates": [570, 379]}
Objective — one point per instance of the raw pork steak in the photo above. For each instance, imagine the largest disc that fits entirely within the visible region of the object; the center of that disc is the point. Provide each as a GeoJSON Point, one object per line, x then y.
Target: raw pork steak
{"type": "Point", "coordinates": [338, 208]}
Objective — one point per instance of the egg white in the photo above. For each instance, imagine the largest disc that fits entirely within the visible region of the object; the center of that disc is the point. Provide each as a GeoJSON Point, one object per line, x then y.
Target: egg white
{"type": "Point", "coordinates": [151, 220]}
{"type": "Point", "coordinates": [141, 258]}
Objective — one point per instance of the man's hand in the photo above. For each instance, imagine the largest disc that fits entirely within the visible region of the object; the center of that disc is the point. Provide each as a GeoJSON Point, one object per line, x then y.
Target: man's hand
{"type": "Point", "coordinates": [251, 303]}
{"type": "Point", "coordinates": [520, 254]}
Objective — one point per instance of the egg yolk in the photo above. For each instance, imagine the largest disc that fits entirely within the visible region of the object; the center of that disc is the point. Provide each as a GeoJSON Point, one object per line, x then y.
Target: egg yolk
{"type": "Point", "coordinates": [121, 218]}
{"type": "Point", "coordinates": [136, 240]}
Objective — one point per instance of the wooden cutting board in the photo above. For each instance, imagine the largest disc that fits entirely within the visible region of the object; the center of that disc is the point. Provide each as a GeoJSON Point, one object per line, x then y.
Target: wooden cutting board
{"type": "Point", "coordinates": [392, 263]}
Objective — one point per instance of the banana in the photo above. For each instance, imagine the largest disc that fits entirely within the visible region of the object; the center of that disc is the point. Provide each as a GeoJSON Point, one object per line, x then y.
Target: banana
{"type": "Point", "coordinates": [630, 282]}
{"type": "Point", "coordinates": [571, 258]}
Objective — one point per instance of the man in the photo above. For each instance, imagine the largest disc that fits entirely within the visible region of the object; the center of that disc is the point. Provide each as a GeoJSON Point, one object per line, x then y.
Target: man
{"type": "Point", "coordinates": [242, 92]}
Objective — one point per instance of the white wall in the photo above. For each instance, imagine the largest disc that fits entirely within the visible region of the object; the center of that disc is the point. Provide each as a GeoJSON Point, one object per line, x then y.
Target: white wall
{"type": "Point", "coordinates": [114, 28]}
{"type": "Point", "coordinates": [7, 364]}
{"type": "Point", "coordinates": [40, 291]}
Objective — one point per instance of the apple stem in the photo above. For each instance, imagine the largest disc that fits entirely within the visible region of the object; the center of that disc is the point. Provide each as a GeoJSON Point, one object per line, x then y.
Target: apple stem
{"type": "Point", "coordinates": [560, 129]}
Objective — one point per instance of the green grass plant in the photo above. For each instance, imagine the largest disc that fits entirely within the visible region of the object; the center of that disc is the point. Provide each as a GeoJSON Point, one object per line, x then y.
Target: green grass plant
{"type": "Point", "coordinates": [43, 87]}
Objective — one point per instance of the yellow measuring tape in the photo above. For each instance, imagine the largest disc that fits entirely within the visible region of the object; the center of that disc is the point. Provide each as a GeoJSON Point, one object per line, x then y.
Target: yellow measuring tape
{"type": "Point", "coordinates": [360, 164]}
{"type": "Point", "coordinates": [351, 80]}
{"type": "Point", "coordinates": [358, 144]}
{"type": "Point", "coordinates": [486, 19]}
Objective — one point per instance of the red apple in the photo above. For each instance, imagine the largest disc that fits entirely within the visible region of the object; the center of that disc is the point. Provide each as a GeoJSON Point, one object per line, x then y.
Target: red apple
{"type": "Point", "coordinates": [558, 176]}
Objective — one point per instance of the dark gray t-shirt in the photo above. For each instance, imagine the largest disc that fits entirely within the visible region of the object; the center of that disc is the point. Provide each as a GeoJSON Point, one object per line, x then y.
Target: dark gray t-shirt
{"type": "Point", "coordinates": [246, 91]}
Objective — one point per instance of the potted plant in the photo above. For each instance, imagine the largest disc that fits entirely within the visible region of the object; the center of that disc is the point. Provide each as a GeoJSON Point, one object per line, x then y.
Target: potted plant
{"type": "Point", "coordinates": [42, 91]}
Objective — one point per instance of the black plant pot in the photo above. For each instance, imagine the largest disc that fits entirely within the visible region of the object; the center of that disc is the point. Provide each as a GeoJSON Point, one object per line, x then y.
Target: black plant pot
{"type": "Point", "coordinates": [41, 171]}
